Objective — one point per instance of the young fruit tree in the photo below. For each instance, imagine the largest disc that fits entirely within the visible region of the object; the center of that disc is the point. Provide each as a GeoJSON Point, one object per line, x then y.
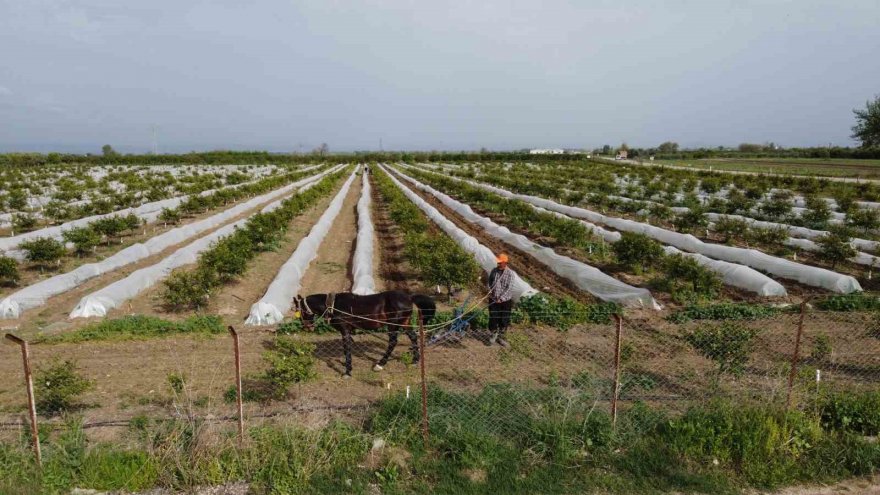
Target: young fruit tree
{"type": "Point", "coordinates": [867, 128]}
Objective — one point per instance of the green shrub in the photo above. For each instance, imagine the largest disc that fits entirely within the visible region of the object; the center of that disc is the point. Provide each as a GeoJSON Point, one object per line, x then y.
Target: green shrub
{"type": "Point", "coordinates": [857, 301]}
{"type": "Point", "coordinates": [57, 388]}
{"type": "Point", "coordinates": [728, 344]}
{"type": "Point", "coordinates": [723, 311]}
{"type": "Point", "coordinates": [835, 247]}
{"type": "Point", "coordinates": [8, 271]}
{"type": "Point", "coordinates": [188, 289]}
{"type": "Point", "coordinates": [563, 313]}
{"type": "Point", "coordinates": [854, 412]}
{"type": "Point", "coordinates": [290, 361]}
{"type": "Point", "coordinates": [84, 239]}
{"type": "Point", "coordinates": [731, 228]}
{"type": "Point", "coordinates": [23, 222]}
{"type": "Point", "coordinates": [43, 250]}
{"type": "Point", "coordinates": [170, 215]}
{"type": "Point", "coordinates": [637, 251]}
{"type": "Point", "coordinates": [686, 280]}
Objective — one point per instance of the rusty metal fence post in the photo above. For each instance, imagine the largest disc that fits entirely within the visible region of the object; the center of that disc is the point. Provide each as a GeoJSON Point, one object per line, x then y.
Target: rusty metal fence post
{"type": "Point", "coordinates": [614, 394]}
{"type": "Point", "coordinates": [32, 408]}
{"type": "Point", "coordinates": [795, 355]}
{"type": "Point", "coordinates": [238, 399]}
{"type": "Point", "coordinates": [424, 382]}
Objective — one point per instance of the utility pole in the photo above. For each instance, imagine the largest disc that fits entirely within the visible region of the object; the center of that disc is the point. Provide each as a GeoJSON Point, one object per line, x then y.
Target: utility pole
{"type": "Point", "coordinates": [155, 140]}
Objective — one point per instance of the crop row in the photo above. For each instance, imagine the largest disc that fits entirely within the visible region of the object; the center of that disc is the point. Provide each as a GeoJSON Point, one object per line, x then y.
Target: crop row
{"type": "Point", "coordinates": [228, 259]}
{"type": "Point", "coordinates": [826, 248]}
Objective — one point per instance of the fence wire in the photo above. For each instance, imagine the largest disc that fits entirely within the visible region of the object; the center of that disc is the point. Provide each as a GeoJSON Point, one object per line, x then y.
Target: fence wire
{"type": "Point", "coordinates": [542, 372]}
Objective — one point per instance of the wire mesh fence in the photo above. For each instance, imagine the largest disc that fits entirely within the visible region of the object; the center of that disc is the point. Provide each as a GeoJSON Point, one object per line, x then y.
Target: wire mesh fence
{"type": "Point", "coordinates": [793, 355]}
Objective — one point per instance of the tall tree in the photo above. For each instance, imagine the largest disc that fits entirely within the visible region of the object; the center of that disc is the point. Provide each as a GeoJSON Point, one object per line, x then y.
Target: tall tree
{"type": "Point", "coordinates": [108, 150]}
{"type": "Point", "coordinates": [867, 128]}
{"type": "Point", "coordinates": [668, 147]}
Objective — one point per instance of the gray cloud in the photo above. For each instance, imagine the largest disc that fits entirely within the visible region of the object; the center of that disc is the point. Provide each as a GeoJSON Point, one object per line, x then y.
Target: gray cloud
{"type": "Point", "coordinates": [435, 75]}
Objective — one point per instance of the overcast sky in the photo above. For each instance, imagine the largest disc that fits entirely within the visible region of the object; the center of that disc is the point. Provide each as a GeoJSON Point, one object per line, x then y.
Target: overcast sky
{"type": "Point", "coordinates": [280, 75]}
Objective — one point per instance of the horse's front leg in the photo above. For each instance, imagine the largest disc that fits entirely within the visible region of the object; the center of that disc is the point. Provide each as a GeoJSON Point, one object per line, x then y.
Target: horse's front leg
{"type": "Point", "coordinates": [415, 344]}
{"type": "Point", "coordinates": [392, 343]}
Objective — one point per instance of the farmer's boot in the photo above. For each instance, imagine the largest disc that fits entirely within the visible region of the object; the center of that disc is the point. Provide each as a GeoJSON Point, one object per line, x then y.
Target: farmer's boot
{"type": "Point", "coordinates": [500, 338]}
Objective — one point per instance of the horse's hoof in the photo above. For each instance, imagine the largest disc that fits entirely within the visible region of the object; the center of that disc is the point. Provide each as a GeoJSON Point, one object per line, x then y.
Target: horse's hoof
{"type": "Point", "coordinates": [346, 376]}
{"type": "Point", "coordinates": [378, 367]}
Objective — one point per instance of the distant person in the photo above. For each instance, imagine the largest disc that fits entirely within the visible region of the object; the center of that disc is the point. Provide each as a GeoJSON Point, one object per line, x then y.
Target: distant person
{"type": "Point", "coordinates": [367, 169]}
{"type": "Point", "coordinates": [500, 300]}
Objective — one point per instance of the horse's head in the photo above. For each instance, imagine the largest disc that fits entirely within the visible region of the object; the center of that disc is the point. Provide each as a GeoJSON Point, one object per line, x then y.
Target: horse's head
{"type": "Point", "coordinates": [303, 311]}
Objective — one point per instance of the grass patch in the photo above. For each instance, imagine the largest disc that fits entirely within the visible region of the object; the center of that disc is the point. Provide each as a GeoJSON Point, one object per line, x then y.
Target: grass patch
{"type": "Point", "coordinates": [139, 327]}
{"type": "Point", "coordinates": [857, 301]}
{"type": "Point", "coordinates": [502, 439]}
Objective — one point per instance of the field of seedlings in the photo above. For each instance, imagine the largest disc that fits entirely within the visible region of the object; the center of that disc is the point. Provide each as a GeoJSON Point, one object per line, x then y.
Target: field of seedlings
{"type": "Point", "coordinates": [636, 287]}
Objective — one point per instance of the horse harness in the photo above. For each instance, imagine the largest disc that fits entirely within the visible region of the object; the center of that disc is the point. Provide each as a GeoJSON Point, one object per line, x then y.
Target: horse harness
{"type": "Point", "coordinates": [329, 303]}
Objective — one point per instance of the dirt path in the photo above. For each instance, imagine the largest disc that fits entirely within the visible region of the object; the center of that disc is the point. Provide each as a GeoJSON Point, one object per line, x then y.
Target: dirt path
{"type": "Point", "coordinates": [392, 268]}
{"type": "Point", "coordinates": [52, 316]}
{"type": "Point", "coordinates": [330, 271]}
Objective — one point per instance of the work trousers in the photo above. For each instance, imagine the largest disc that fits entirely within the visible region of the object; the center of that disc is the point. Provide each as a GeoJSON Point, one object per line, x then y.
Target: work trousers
{"type": "Point", "coordinates": [499, 315]}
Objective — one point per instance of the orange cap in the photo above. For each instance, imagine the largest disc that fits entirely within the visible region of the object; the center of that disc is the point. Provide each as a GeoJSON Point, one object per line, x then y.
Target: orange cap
{"type": "Point", "coordinates": [501, 258]}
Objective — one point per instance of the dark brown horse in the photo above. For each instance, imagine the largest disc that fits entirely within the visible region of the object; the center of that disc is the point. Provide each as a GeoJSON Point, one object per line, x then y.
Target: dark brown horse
{"type": "Point", "coordinates": [347, 312]}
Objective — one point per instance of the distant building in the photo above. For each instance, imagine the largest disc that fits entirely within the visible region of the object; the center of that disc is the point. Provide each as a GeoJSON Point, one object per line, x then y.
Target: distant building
{"type": "Point", "coordinates": [621, 155]}
{"type": "Point", "coordinates": [547, 151]}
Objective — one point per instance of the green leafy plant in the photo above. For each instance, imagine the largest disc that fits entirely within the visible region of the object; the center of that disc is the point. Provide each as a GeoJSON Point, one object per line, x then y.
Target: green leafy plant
{"type": "Point", "coordinates": [637, 251]}
{"type": "Point", "coordinates": [687, 280]}
{"type": "Point", "coordinates": [723, 311]}
{"type": "Point", "coordinates": [727, 344]}
{"type": "Point", "coordinates": [821, 348]}
{"type": "Point", "coordinates": [835, 247]}
{"type": "Point", "coordinates": [84, 239]}
{"type": "Point", "coordinates": [58, 387]}
{"type": "Point", "coordinates": [290, 361]}
{"type": "Point", "coordinates": [8, 271]}
{"type": "Point", "coordinates": [43, 251]}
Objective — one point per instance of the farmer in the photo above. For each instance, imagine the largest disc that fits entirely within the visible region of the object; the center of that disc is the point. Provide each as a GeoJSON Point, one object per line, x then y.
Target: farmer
{"type": "Point", "coordinates": [500, 300]}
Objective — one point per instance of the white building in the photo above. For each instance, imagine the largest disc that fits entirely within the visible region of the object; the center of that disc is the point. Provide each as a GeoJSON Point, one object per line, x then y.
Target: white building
{"type": "Point", "coordinates": [547, 151]}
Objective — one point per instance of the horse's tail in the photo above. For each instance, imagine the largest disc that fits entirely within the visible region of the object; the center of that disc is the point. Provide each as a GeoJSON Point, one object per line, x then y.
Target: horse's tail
{"type": "Point", "coordinates": [427, 307]}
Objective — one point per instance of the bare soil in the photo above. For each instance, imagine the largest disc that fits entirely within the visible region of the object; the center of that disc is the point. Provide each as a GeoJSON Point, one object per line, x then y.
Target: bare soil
{"type": "Point", "coordinates": [330, 271]}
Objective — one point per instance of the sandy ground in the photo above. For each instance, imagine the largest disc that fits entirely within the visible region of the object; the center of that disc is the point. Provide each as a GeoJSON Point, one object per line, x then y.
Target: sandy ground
{"type": "Point", "coordinates": [330, 271]}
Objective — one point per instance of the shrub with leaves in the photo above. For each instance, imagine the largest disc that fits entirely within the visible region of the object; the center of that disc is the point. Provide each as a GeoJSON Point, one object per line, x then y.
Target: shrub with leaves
{"type": "Point", "coordinates": [23, 222]}
{"type": "Point", "coordinates": [440, 261]}
{"type": "Point", "coordinates": [57, 388]}
{"type": "Point", "coordinates": [728, 345]}
{"type": "Point", "coordinates": [188, 289]}
{"type": "Point", "coordinates": [43, 251]}
{"type": "Point", "coordinates": [723, 311]}
{"type": "Point", "coordinates": [835, 247]}
{"type": "Point", "coordinates": [637, 251]}
{"type": "Point", "coordinates": [170, 215]}
{"type": "Point", "coordinates": [290, 361]}
{"type": "Point", "coordinates": [731, 228]}
{"type": "Point", "coordinates": [8, 271]}
{"type": "Point", "coordinates": [84, 239]}
{"type": "Point", "coordinates": [687, 280]}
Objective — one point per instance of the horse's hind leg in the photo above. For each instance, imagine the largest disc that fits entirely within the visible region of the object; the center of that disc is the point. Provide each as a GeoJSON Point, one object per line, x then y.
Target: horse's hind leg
{"type": "Point", "coordinates": [392, 343]}
{"type": "Point", "coordinates": [346, 346]}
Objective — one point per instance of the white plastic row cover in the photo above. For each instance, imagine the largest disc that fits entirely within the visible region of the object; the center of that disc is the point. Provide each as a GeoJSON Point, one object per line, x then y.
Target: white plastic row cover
{"type": "Point", "coordinates": [270, 309]}
{"type": "Point", "coordinates": [36, 295]}
{"type": "Point", "coordinates": [362, 268]}
{"type": "Point", "coordinates": [805, 274]}
{"type": "Point", "coordinates": [585, 277]}
{"type": "Point", "coordinates": [148, 212]}
{"type": "Point", "coordinates": [482, 254]}
{"type": "Point", "coordinates": [112, 296]}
